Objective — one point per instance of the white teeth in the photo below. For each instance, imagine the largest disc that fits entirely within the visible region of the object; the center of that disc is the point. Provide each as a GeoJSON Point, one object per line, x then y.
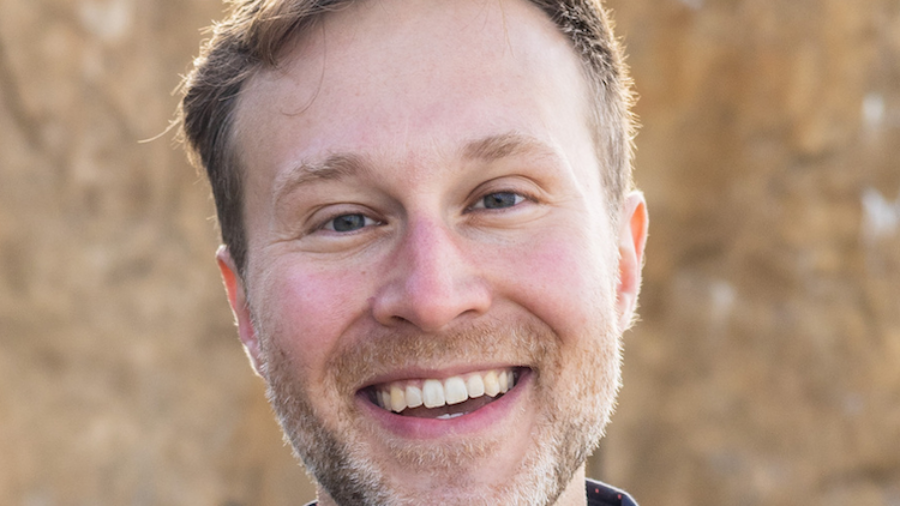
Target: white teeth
{"type": "Point", "coordinates": [455, 390]}
{"type": "Point", "coordinates": [433, 393]}
{"type": "Point", "coordinates": [503, 381]}
{"type": "Point", "coordinates": [491, 384]}
{"type": "Point", "coordinates": [475, 386]}
{"type": "Point", "coordinates": [413, 396]}
{"type": "Point", "coordinates": [398, 399]}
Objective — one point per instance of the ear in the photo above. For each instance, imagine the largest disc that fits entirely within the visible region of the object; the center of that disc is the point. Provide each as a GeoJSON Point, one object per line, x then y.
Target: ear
{"type": "Point", "coordinates": [237, 298]}
{"type": "Point", "coordinates": [633, 224]}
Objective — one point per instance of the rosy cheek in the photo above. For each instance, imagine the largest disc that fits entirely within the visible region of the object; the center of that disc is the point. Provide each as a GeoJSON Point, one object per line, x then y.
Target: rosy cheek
{"type": "Point", "coordinates": [314, 310]}
{"type": "Point", "coordinates": [562, 282]}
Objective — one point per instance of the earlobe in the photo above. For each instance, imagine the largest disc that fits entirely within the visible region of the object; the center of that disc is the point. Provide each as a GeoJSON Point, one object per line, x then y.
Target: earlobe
{"type": "Point", "coordinates": [237, 298]}
{"type": "Point", "coordinates": [632, 238]}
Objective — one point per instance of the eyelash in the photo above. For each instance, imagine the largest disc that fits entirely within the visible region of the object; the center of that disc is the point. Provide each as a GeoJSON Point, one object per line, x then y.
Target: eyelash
{"type": "Point", "coordinates": [521, 198]}
{"type": "Point", "coordinates": [327, 224]}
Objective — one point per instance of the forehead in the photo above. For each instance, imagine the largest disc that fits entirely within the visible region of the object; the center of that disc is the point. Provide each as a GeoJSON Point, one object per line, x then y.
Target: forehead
{"type": "Point", "coordinates": [384, 75]}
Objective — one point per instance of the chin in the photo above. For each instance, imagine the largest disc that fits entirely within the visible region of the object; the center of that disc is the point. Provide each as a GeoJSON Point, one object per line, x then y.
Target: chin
{"type": "Point", "coordinates": [524, 448]}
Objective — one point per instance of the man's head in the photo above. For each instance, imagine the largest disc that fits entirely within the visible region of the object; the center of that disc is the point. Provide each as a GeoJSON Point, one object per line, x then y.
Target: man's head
{"type": "Point", "coordinates": [258, 33]}
{"type": "Point", "coordinates": [431, 251]}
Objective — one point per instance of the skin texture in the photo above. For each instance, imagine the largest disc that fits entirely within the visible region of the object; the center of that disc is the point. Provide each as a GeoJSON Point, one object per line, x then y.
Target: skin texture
{"type": "Point", "coordinates": [424, 200]}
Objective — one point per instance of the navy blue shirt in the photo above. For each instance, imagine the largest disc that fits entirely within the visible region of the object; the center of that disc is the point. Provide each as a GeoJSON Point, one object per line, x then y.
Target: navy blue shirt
{"type": "Point", "coordinates": [601, 494]}
{"type": "Point", "coordinates": [598, 494]}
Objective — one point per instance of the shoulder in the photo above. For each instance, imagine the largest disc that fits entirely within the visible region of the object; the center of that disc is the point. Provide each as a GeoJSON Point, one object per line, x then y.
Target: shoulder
{"type": "Point", "coordinates": [601, 494]}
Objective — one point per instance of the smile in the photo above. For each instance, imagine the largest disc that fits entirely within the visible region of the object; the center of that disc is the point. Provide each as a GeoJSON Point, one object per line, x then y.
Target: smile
{"type": "Point", "coordinates": [444, 399]}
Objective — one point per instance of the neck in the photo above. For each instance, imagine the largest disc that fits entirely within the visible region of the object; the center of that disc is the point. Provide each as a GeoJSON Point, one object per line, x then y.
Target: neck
{"type": "Point", "coordinates": [573, 495]}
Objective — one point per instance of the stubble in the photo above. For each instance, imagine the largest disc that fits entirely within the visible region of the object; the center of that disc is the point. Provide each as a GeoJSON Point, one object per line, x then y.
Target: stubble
{"type": "Point", "coordinates": [574, 388]}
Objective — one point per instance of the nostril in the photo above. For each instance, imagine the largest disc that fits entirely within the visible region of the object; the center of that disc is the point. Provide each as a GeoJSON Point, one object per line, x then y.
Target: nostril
{"type": "Point", "coordinates": [400, 319]}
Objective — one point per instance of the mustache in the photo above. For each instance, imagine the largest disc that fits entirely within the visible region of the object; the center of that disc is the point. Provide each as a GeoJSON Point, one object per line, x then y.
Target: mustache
{"type": "Point", "coordinates": [386, 350]}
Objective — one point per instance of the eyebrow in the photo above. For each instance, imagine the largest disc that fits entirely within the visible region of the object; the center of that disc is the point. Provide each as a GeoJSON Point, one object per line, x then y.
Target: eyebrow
{"type": "Point", "coordinates": [335, 167]}
{"type": "Point", "coordinates": [346, 165]}
{"type": "Point", "coordinates": [495, 147]}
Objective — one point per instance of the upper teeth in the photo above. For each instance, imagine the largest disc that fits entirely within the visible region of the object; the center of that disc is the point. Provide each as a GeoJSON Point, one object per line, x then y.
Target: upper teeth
{"type": "Point", "coordinates": [434, 393]}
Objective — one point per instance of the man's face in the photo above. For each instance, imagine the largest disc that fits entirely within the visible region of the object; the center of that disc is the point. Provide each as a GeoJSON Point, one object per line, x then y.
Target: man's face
{"type": "Point", "coordinates": [426, 231]}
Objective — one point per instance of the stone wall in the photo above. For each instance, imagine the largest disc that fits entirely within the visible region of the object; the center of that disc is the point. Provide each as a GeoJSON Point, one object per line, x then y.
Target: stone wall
{"type": "Point", "coordinates": [764, 370]}
{"type": "Point", "coordinates": [121, 381]}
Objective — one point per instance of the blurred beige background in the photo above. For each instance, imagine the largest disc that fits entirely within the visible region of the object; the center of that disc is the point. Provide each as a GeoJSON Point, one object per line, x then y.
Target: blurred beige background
{"type": "Point", "coordinates": [766, 370]}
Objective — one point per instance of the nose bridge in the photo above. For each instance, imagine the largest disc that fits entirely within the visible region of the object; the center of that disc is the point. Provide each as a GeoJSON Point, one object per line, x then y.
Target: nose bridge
{"type": "Point", "coordinates": [433, 280]}
{"type": "Point", "coordinates": [431, 255]}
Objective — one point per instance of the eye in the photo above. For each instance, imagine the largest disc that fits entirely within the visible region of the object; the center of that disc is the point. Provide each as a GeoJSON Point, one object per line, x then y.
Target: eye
{"type": "Point", "coordinates": [499, 200]}
{"type": "Point", "coordinates": [348, 223]}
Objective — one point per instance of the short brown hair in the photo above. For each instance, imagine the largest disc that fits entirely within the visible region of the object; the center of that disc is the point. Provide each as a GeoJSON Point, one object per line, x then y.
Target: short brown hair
{"type": "Point", "coordinates": [255, 33]}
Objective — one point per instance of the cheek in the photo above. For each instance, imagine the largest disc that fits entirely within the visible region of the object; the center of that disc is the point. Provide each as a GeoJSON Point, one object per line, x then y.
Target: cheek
{"type": "Point", "coordinates": [306, 312]}
{"type": "Point", "coordinates": [565, 280]}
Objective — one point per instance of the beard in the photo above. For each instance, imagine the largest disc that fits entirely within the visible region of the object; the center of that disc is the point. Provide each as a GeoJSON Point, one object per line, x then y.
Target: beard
{"type": "Point", "coordinates": [574, 385]}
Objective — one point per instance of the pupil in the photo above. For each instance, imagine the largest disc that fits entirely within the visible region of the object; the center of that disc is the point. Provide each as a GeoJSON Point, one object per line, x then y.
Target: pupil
{"type": "Point", "coordinates": [498, 200]}
{"type": "Point", "coordinates": [349, 222]}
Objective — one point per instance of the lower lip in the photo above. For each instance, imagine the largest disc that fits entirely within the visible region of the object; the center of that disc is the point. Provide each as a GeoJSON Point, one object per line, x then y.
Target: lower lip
{"type": "Point", "coordinates": [481, 419]}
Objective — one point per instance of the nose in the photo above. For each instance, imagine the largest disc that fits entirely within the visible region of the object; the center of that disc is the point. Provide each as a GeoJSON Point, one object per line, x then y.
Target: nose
{"type": "Point", "coordinates": [432, 282]}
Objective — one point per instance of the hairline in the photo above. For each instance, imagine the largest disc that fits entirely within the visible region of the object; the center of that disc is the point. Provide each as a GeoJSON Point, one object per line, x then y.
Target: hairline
{"type": "Point", "coordinates": [601, 128]}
